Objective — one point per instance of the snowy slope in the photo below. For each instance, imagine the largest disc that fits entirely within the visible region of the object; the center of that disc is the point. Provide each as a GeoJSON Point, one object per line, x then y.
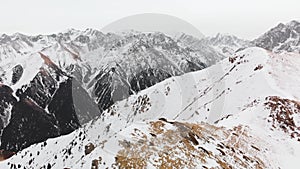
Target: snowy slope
{"type": "Point", "coordinates": [226, 116]}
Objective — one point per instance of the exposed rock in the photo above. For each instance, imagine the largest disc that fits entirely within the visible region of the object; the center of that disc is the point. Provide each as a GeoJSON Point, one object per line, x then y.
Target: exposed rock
{"type": "Point", "coordinates": [284, 115]}
{"type": "Point", "coordinates": [89, 148]}
{"type": "Point", "coordinates": [17, 73]}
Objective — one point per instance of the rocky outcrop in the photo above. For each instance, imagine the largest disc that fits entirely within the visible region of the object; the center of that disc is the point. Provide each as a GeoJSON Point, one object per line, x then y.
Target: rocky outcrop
{"type": "Point", "coordinates": [17, 74]}
{"type": "Point", "coordinates": [284, 115]}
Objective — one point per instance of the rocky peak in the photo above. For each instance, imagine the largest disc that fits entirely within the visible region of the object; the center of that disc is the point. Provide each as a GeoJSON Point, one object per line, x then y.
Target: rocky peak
{"type": "Point", "coordinates": [283, 37]}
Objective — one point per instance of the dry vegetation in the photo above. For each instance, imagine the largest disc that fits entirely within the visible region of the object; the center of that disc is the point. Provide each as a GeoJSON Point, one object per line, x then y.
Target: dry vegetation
{"type": "Point", "coordinates": [179, 145]}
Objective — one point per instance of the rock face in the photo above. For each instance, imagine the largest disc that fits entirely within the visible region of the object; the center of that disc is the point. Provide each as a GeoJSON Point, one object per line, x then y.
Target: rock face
{"type": "Point", "coordinates": [17, 74]}
{"type": "Point", "coordinates": [6, 103]}
{"type": "Point", "coordinates": [283, 37]}
{"type": "Point", "coordinates": [44, 109]}
{"type": "Point", "coordinates": [29, 124]}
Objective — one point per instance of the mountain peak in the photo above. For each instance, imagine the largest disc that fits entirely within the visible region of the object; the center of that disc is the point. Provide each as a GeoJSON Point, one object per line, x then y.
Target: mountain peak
{"type": "Point", "coordinates": [283, 37]}
{"type": "Point", "coordinates": [293, 23]}
{"type": "Point", "coordinates": [92, 32]}
{"type": "Point", "coordinates": [227, 43]}
{"type": "Point", "coordinates": [18, 35]}
{"type": "Point", "coordinates": [71, 31]}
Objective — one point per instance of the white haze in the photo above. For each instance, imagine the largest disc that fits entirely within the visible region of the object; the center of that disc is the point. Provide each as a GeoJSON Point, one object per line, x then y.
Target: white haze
{"type": "Point", "coordinates": [246, 19]}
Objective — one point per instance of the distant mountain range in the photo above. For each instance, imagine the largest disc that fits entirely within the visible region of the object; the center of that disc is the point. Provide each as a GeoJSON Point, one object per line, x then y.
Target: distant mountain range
{"type": "Point", "coordinates": [97, 84]}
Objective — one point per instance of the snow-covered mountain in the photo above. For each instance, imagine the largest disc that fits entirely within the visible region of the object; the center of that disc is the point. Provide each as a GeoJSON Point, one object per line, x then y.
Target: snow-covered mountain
{"type": "Point", "coordinates": [223, 44]}
{"type": "Point", "coordinates": [70, 77]}
{"type": "Point", "coordinates": [227, 44]}
{"type": "Point", "coordinates": [242, 112]}
{"type": "Point", "coordinates": [283, 37]}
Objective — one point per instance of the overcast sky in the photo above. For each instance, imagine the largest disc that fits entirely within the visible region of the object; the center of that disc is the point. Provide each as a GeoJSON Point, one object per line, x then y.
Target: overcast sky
{"type": "Point", "coordinates": [244, 18]}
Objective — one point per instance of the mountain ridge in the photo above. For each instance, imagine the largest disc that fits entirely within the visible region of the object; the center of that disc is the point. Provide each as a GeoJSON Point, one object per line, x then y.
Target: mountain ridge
{"type": "Point", "coordinates": [141, 130]}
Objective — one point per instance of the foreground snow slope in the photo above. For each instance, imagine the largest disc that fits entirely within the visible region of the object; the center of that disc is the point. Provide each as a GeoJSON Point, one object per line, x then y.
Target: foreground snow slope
{"type": "Point", "coordinates": [239, 113]}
